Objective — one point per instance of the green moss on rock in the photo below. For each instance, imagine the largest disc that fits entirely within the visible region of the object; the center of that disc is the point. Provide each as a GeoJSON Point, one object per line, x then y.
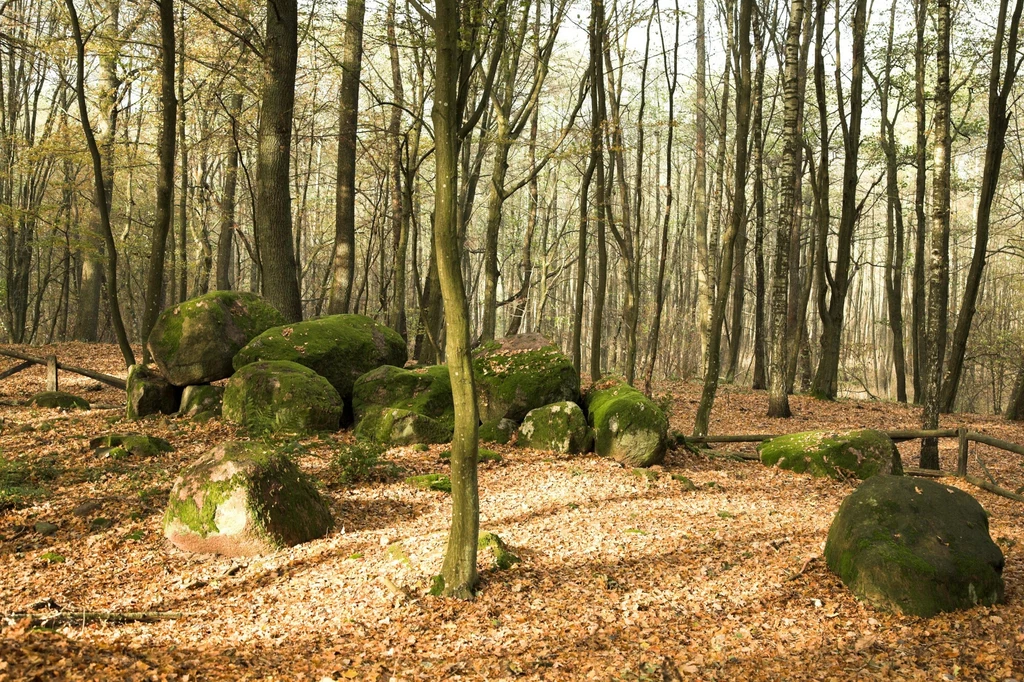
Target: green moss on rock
{"type": "Point", "coordinates": [395, 426]}
{"type": "Point", "coordinates": [244, 499]}
{"type": "Point", "coordinates": [497, 431]}
{"type": "Point", "coordinates": [915, 546]}
{"type": "Point", "coordinates": [628, 426]}
{"type": "Point", "coordinates": [281, 397]}
{"type": "Point", "coordinates": [559, 427]}
{"type": "Point", "coordinates": [501, 558]}
{"type": "Point", "coordinates": [339, 348]}
{"type": "Point", "coordinates": [194, 342]}
{"type": "Point", "coordinates": [201, 399]}
{"type": "Point", "coordinates": [424, 390]}
{"type": "Point", "coordinates": [439, 482]}
{"type": "Point", "coordinates": [59, 400]}
{"type": "Point", "coordinates": [519, 373]}
{"type": "Point", "coordinates": [133, 443]}
{"type": "Point", "coordinates": [839, 455]}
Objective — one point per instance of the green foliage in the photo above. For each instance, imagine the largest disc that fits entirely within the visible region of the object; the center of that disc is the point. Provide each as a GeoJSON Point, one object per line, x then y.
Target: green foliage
{"type": "Point", "coordinates": [53, 558]}
{"type": "Point", "coordinates": [362, 462]}
{"type": "Point", "coordinates": [438, 482]}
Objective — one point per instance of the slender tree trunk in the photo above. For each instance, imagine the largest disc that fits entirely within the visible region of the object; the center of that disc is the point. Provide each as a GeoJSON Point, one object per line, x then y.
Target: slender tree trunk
{"type": "Point", "coordinates": [894, 245]}
{"type": "Point", "coordinates": [704, 292]}
{"type": "Point", "coordinates": [348, 119]}
{"type": "Point", "coordinates": [920, 155]}
{"type": "Point", "coordinates": [88, 310]}
{"type": "Point", "coordinates": [826, 379]}
{"type": "Point", "coordinates": [998, 121]}
{"type": "Point", "coordinates": [225, 247]}
{"type": "Point", "coordinates": [738, 215]}
{"type": "Point", "coordinates": [759, 380]}
{"type": "Point", "coordinates": [183, 147]}
{"type": "Point", "coordinates": [101, 193]}
{"type": "Point", "coordinates": [938, 270]}
{"type": "Point", "coordinates": [778, 399]}
{"type": "Point", "coordinates": [165, 176]}
{"type": "Point", "coordinates": [273, 219]}
{"type": "Point", "coordinates": [399, 222]}
{"type": "Point", "coordinates": [667, 212]}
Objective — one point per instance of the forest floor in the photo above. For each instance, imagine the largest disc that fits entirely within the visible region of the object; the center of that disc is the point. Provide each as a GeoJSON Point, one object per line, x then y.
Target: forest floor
{"type": "Point", "coordinates": [623, 578]}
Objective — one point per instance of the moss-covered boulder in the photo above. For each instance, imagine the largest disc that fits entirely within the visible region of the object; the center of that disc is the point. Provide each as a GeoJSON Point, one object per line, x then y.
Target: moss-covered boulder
{"type": "Point", "coordinates": [424, 390]}
{"type": "Point", "coordinates": [559, 427]}
{"type": "Point", "coordinates": [149, 393]}
{"type": "Point", "coordinates": [497, 431]}
{"type": "Point", "coordinates": [915, 546]}
{"type": "Point", "coordinates": [201, 400]}
{"type": "Point", "coordinates": [628, 426]}
{"type": "Point", "coordinates": [120, 444]}
{"type": "Point", "coordinates": [339, 348]}
{"type": "Point", "coordinates": [194, 342]}
{"type": "Point", "coordinates": [839, 455]}
{"type": "Point", "coordinates": [395, 426]}
{"type": "Point", "coordinates": [519, 373]}
{"type": "Point", "coordinates": [243, 499]}
{"type": "Point", "coordinates": [59, 400]}
{"type": "Point", "coordinates": [281, 397]}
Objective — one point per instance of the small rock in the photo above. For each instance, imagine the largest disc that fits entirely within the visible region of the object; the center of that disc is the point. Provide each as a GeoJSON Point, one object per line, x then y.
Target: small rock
{"type": "Point", "coordinates": [87, 508]}
{"type": "Point", "coordinates": [45, 528]}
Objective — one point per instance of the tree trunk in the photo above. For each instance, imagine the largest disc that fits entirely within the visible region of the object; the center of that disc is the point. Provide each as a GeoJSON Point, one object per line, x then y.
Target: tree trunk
{"type": "Point", "coordinates": [348, 118]}
{"type": "Point", "coordinates": [399, 221]}
{"type": "Point", "coordinates": [826, 379]}
{"type": "Point", "coordinates": [738, 216]}
{"type": "Point", "coordinates": [778, 399]}
{"type": "Point", "coordinates": [938, 270]}
{"type": "Point", "coordinates": [759, 380]}
{"type": "Point", "coordinates": [998, 121]}
{"type": "Point", "coordinates": [101, 191]}
{"type": "Point", "coordinates": [225, 246]}
{"type": "Point", "coordinates": [273, 219]}
{"type": "Point", "coordinates": [165, 175]}
{"type": "Point", "coordinates": [920, 152]}
{"type": "Point", "coordinates": [183, 197]}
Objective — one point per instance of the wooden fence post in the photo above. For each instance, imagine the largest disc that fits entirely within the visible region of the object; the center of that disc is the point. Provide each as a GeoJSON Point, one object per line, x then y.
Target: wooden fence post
{"type": "Point", "coordinates": [961, 462]}
{"type": "Point", "coordinates": [51, 373]}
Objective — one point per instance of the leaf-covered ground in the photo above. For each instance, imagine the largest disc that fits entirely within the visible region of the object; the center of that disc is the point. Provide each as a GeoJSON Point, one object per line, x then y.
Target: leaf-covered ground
{"type": "Point", "coordinates": [623, 577]}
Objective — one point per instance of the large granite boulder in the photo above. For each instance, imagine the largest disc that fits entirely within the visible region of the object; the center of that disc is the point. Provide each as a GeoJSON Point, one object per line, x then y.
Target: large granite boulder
{"type": "Point", "coordinates": [839, 455]}
{"type": "Point", "coordinates": [400, 406]}
{"type": "Point", "coordinates": [559, 427]}
{"type": "Point", "coordinates": [628, 426]}
{"type": "Point", "coordinates": [243, 499]}
{"type": "Point", "coordinates": [519, 373]}
{"type": "Point", "coordinates": [339, 348]}
{"type": "Point", "coordinates": [281, 397]}
{"type": "Point", "coordinates": [194, 342]}
{"type": "Point", "coordinates": [425, 390]}
{"type": "Point", "coordinates": [395, 426]}
{"type": "Point", "coordinates": [149, 393]}
{"type": "Point", "coordinates": [915, 546]}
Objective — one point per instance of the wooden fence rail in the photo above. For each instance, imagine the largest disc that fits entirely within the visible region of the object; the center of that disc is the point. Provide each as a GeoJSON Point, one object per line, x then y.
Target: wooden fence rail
{"type": "Point", "coordinates": [963, 436]}
{"type": "Point", "coordinates": [52, 365]}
